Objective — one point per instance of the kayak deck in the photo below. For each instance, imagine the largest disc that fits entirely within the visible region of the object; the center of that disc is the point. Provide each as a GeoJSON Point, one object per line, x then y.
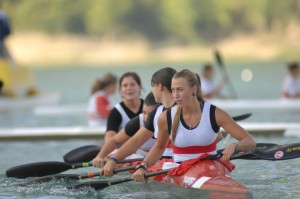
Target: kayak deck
{"type": "Point", "coordinates": [212, 176]}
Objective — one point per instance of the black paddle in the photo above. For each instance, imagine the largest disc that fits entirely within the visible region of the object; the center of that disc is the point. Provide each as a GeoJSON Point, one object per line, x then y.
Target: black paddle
{"type": "Point", "coordinates": [89, 152]}
{"type": "Point", "coordinates": [279, 152]}
{"type": "Point", "coordinates": [225, 73]}
{"type": "Point", "coordinates": [39, 169]}
{"type": "Point", "coordinates": [76, 176]}
{"type": "Point", "coordinates": [249, 155]}
{"type": "Point", "coordinates": [82, 154]}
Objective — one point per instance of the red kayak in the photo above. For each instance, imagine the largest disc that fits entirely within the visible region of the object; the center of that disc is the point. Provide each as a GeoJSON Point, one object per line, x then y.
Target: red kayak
{"type": "Point", "coordinates": [209, 175]}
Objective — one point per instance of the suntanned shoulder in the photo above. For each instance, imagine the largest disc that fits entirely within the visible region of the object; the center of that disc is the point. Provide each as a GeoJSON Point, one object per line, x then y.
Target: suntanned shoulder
{"type": "Point", "coordinates": [162, 120]}
{"type": "Point", "coordinates": [222, 116]}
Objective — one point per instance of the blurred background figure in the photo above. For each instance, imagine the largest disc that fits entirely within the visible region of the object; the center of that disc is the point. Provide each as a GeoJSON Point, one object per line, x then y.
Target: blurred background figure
{"type": "Point", "coordinates": [291, 86]}
{"type": "Point", "coordinates": [1, 85]}
{"type": "Point", "coordinates": [4, 32]}
{"type": "Point", "coordinates": [100, 102]}
{"type": "Point", "coordinates": [208, 86]}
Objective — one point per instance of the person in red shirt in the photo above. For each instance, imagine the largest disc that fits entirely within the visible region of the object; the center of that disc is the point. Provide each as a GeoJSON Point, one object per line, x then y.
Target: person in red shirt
{"type": "Point", "coordinates": [100, 104]}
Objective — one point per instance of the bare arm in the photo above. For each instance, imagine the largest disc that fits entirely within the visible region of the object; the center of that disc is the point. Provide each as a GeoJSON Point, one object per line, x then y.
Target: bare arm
{"type": "Point", "coordinates": [127, 149]}
{"type": "Point", "coordinates": [157, 150]}
{"type": "Point", "coordinates": [162, 140]}
{"type": "Point", "coordinates": [109, 146]}
{"type": "Point", "coordinates": [245, 140]}
{"type": "Point", "coordinates": [109, 135]}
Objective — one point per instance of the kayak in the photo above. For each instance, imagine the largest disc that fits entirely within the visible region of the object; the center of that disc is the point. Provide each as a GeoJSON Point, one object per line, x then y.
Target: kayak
{"type": "Point", "coordinates": [211, 176]}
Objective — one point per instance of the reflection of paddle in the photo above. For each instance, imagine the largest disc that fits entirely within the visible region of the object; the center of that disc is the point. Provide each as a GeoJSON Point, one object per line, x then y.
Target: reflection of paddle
{"type": "Point", "coordinates": [225, 74]}
{"type": "Point", "coordinates": [89, 152]}
{"type": "Point", "coordinates": [48, 168]}
{"type": "Point", "coordinates": [279, 152]}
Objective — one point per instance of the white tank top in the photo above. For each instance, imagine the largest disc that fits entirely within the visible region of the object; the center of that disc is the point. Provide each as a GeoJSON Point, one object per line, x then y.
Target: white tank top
{"type": "Point", "coordinates": [146, 147]}
{"type": "Point", "coordinates": [168, 151]}
{"type": "Point", "coordinates": [123, 114]}
{"type": "Point", "coordinates": [191, 143]}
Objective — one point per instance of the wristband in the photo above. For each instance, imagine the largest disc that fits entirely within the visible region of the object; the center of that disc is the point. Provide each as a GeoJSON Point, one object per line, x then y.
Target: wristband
{"type": "Point", "coordinates": [141, 166]}
{"type": "Point", "coordinates": [236, 146]}
{"type": "Point", "coordinates": [113, 159]}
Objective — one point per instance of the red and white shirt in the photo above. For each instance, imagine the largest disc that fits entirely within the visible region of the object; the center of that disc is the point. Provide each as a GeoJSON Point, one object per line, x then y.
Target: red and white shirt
{"type": "Point", "coordinates": [99, 107]}
{"type": "Point", "coordinates": [192, 142]}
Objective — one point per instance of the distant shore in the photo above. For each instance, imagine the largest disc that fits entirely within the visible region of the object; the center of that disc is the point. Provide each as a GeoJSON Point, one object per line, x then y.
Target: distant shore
{"type": "Point", "coordinates": [37, 50]}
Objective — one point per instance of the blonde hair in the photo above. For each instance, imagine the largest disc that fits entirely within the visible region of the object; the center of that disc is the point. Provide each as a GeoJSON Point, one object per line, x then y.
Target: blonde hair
{"type": "Point", "coordinates": [192, 79]}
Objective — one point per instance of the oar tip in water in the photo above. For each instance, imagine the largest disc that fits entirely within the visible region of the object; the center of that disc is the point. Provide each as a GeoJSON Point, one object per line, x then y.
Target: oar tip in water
{"type": "Point", "coordinates": [92, 184]}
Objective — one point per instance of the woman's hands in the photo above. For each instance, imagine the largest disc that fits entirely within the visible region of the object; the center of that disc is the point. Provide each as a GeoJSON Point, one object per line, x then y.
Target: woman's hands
{"type": "Point", "coordinates": [139, 175]}
{"type": "Point", "coordinates": [99, 162]}
{"type": "Point", "coordinates": [229, 151]}
{"type": "Point", "coordinates": [108, 169]}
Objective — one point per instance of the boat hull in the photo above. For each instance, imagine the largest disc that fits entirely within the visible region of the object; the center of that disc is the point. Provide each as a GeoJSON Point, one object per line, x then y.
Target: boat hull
{"type": "Point", "coordinates": [211, 176]}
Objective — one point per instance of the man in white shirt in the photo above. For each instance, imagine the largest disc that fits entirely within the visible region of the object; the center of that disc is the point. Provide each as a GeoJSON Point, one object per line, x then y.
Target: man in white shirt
{"type": "Point", "coordinates": [208, 87]}
{"type": "Point", "coordinates": [291, 86]}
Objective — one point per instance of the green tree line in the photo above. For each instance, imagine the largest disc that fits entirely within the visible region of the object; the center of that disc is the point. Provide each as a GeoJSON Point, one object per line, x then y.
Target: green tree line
{"type": "Point", "coordinates": [156, 20]}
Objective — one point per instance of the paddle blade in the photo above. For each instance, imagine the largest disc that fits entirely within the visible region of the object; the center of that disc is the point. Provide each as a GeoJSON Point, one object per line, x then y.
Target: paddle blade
{"type": "Point", "coordinates": [98, 184]}
{"type": "Point", "coordinates": [37, 169]}
{"type": "Point", "coordinates": [218, 58]}
{"type": "Point", "coordinates": [280, 152]}
{"type": "Point", "coordinates": [82, 154]}
{"type": "Point", "coordinates": [241, 117]}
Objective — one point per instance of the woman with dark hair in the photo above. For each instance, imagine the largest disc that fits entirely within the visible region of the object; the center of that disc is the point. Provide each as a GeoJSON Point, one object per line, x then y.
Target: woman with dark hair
{"type": "Point", "coordinates": [161, 89]}
{"type": "Point", "coordinates": [193, 126]}
{"type": "Point", "coordinates": [100, 103]}
{"type": "Point", "coordinates": [130, 87]}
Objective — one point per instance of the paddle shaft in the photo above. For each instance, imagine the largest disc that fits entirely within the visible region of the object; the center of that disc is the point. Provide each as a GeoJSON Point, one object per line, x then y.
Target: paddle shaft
{"type": "Point", "coordinates": [225, 73]}
{"type": "Point", "coordinates": [103, 184]}
{"type": "Point", "coordinates": [76, 176]}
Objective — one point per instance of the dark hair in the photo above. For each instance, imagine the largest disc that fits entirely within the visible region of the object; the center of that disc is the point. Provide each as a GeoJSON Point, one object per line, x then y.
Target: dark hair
{"type": "Point", "coordinates": [293, 65]}
{"type": "Point", "coordinates": [207, 67]}
{"type": "Point", "coordinates": [134, 75]}
{"type": "Point", "coordinates": [107, 80]}
{"type": "Point", "coordinates": [163, 76]}
{"type": "Point", "coordinates": [192, 79]}
{"type": "Point", "coordinates": [150, 100]}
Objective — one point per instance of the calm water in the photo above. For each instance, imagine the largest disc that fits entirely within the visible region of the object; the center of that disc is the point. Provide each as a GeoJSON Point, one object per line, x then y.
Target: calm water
{"type": "Point", "coordinates": [266, 179]}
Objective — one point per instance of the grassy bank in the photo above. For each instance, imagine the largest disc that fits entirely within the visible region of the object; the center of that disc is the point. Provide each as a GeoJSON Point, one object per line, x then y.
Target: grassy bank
{"type": "Point", "coordinates": [34, 49]}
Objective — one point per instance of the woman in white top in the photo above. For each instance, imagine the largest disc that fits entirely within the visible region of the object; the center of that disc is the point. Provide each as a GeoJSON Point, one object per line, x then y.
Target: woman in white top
{"type": "Point", "coordinates": [130, 87]}
{"type": "Point", "coordinates": [193, 126]}
{"type": "Point", "coordinates": [161, 89]}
